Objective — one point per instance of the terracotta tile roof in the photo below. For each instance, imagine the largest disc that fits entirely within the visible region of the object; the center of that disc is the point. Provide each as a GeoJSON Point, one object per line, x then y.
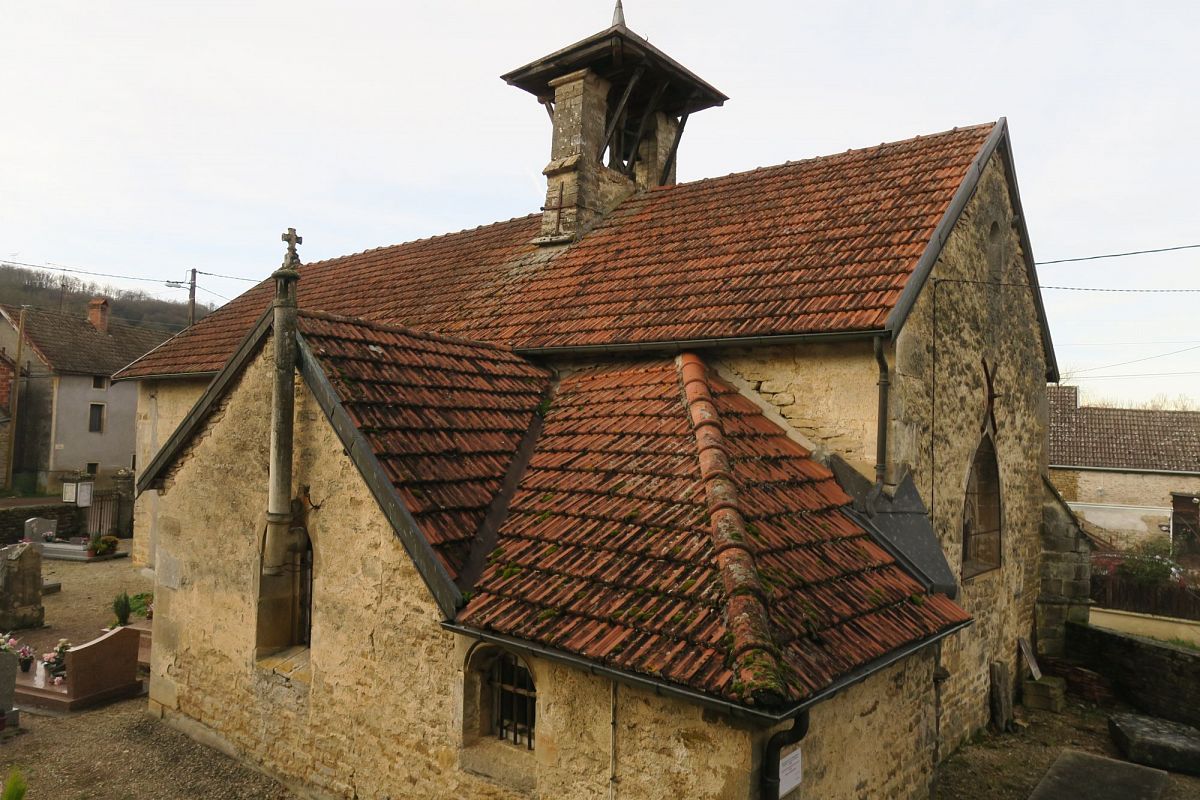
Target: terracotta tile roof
{"type": "Point", "coordinates": [665, 527]}
{"type": "Point", "coordinates": [444, 417]}
{"type": "Point", "coordinates": [71, 344]}
{"type": "Point", "coordinates": [823, 245]}
{"type": "Point", "coordinates": [1121, 438]}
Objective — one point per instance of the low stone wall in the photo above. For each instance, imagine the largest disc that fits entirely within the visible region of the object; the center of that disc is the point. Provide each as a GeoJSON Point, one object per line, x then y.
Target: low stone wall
{"type": "Point", "coordinates": [12, 520]}
{"type": "Point", "coordinates": [1158, 678]}
{"type": "Point", "coordinates": [1154, 626]}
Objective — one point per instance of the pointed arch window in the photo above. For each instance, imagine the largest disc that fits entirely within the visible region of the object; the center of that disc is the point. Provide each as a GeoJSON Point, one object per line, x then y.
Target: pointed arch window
{"type": "Point", "coordinates": [982, 518]}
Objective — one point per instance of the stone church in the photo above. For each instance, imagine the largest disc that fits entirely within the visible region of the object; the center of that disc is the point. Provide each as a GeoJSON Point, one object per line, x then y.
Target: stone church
{"type": "Point", "coordinates": [725, 489]}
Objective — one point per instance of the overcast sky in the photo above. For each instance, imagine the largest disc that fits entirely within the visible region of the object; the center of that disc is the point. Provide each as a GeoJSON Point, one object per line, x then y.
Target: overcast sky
{"type": "Point", "coordinates": [146, 138]}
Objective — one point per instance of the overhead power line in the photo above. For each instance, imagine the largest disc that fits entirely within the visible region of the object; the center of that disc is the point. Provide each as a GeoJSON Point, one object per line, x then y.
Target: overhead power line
{"type": "Point", "coordinates": [228, 277]}
{"type": "Point", "coordinates": [1128, 375]}
{"type": "Point", "coordinates": [1140, 360]}
{"type": "Point", "coordinates": [1121, 255]}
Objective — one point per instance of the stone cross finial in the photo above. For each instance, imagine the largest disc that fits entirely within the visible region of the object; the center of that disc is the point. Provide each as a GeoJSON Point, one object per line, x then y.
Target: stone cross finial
{"type": "Point", "coordinates": [619, 14]}
{"type": "Point", "coordinates": [292, 258]}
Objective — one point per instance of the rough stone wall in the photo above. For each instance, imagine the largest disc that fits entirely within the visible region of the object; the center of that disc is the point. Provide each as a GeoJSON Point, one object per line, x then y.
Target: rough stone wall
{"type": "Point", "coordinates": [1066, 575]}
{"type": "Point", "coordinates": [876, 739]}
{"type": "Point", "coordinates": [161, 406]}
{"type": "Point", "coordinates": [939, 376]}
{"type": "Point", "coordinates": [1158, 678]}
{"type": "Point", "coordinates": [1128, 506]}
{"type": "Point", "coordinates": [70, 520]}
{"type": "Point", "coordinates": [826, 392]}
{"type": "Point", "coordinates": [1121, 488]}
{"type": "Point", "coordinates": [829, 394]}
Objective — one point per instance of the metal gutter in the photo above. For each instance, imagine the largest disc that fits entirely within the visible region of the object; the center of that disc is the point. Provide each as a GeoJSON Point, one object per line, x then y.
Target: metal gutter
{"type": "Point", "coordinates": [165, 376]}
{"type": "Point", "coordinates": [680, 345]}
{"type": "Point", "coordinates": [436, 578]}
{"type": "Point", "coordinates": [1124, 469]}
{"type": "Point", "coordinates": [662, 688]}
{"type": "Point", "coordinates": [150, 477]}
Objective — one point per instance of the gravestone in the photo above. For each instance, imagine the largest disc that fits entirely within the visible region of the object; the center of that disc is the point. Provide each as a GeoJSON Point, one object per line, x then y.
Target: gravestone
{"type": "Point", "coordinates": [21, 587]}
{"type": "Point", "coordinates": [36, 528]}
{"type": "Point", "coordinates": [1157, 742]}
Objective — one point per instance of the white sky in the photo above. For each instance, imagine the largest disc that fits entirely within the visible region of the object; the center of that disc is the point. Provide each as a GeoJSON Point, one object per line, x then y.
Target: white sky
{"type": "Point", "coordinates": [144, 138]}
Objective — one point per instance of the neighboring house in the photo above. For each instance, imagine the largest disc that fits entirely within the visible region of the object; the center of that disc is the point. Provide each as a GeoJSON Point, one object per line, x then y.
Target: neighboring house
{"type": "Point", "coordinates": [626, 497]}
{"type": "Point", "coordinates": [8, 373]}
{"type": "Point", "coordinates": [71, 417]}
{"type": "Point", "coordinates": [1118, 467]}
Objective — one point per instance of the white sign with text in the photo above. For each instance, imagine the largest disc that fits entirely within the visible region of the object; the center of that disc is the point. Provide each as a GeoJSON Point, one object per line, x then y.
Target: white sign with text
{"type": "Point", "coordinates": [789, 771]}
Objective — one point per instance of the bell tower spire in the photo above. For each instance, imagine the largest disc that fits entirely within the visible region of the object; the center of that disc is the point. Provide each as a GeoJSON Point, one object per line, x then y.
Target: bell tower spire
{"type": "Point", "coordinates": [618, 14]}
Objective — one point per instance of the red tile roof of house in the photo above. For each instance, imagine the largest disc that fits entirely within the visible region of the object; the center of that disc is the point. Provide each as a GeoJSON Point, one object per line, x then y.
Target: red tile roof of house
{"type": "Point", "coordinates": [443, 417]}
{"type": "Point", "coordinates": [665, 527]}
{"type": "Point", "coordinates": [819, 246]}
{"type": "Point", "coordinates": [69, 343]}
{"type": "Point", "coordinates": [1121, 438]}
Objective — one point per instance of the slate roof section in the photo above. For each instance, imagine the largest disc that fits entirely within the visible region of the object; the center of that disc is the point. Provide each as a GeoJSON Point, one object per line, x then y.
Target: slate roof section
{"type": "Point", "coordinates": [443, 417]}
{"type": "Point", "coordinates": [825, 245]}
{"type": "Point", "coordinates": [618, 546]}
{"type": "Point", "coordinates": [1121, 438]}
{"type": "Point", "coordinates": [70, 344]}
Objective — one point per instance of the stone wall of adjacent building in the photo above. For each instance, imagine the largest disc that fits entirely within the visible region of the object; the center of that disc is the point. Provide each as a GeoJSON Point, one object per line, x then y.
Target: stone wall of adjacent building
{"type": "Point", "coordinates": [1129, 506]}
{"type": "Point", "coordinates": [1066, 571]}
{"type": "Point", "coordinates": [1156, 677]}
{"type": "Point", "coordinates": [161, 406]}
{"type": "Point", "coordinates": [829, 394]}
{"type": "Point", "coordinates": [381, 710]}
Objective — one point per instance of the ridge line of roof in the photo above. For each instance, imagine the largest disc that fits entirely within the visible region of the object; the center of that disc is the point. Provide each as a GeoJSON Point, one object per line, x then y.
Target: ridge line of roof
{"type": "Point", "coordinates": [754, 651]}
{"type": "Point", "coordinates": [417, 333]}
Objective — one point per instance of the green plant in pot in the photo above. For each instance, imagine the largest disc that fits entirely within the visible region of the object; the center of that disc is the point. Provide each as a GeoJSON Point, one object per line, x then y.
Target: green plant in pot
{"type": "Point", "coordinates": [122, 607]}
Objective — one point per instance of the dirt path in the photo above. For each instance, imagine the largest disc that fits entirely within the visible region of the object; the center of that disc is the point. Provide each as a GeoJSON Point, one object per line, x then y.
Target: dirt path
{"type": "Point", "coordinates": [1008, 767]}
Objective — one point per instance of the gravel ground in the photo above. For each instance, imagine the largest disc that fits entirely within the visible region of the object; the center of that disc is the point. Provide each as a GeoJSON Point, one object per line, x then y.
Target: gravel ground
{"type": "Point", "coordinates": [84, 606]}
{"type": "Point", "coordinates": [115, 752]}
{"type": "Point", "coordinates": [1009, 766]}
{"type": "Point", "coordinates": [119, 752]}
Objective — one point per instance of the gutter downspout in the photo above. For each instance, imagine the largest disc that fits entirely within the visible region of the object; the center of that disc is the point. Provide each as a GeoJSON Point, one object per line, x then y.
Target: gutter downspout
{"type": "Point", "coordinates": [612, 745]}
{"type": "Point", "coordinates": [882, 429]}
{"type": "Point", "coordinates": [283, 404]}
{"type": "Point", "coordinates": [780, 740]}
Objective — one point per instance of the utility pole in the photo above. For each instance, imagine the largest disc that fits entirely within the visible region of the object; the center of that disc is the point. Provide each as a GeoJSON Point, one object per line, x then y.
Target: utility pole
{"type": "Point", "coordinates": [192, 298]}
{"type": "Point", "coordinates": [14, 401]}
{"type": "Point", "coordinates": [190, 283]}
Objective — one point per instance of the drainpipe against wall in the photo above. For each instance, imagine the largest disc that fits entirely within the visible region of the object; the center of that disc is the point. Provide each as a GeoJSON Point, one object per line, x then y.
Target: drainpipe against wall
{"type": "Point", "coordinates": [782, 739]}
{"type": "Point", "coordinates": [612, 745]}
{"type": "Point", "coordinates": [283, 403]}
{"type": "Point", "coordinates": [882, 429]}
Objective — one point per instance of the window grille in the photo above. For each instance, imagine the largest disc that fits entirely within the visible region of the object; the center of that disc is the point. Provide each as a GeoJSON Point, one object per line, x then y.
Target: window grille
{"type": "Point", "coordinates": [514, 701]}
{"type": "Point", "coordinates": [981, 513]}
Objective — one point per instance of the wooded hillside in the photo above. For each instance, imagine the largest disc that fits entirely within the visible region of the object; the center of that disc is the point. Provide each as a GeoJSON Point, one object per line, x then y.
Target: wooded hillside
{"type": "Point", "coordinates": [53, 291]}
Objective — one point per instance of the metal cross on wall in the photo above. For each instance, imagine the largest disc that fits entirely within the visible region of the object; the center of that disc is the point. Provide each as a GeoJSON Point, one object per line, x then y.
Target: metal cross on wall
{"type": "Point", "coordinates": [989, 381]}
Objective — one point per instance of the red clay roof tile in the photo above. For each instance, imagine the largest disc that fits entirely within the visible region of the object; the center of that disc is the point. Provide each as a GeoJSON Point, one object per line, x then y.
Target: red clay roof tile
{"type": "Point", "coordinates": [823, 245]}
{"type": "Point", "coordinates": [717, 556]}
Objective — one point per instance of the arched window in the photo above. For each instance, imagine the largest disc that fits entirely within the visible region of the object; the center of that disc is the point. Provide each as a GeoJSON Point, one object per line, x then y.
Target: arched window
{"type": "Point", "coordinates": [982, 513]}
{"type": "Point", "coordinates": [499, 717]}
{"type": "Point", "coordinates": [514, 700]}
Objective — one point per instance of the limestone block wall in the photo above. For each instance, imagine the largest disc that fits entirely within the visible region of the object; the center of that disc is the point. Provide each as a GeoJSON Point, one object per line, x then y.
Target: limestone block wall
{"type": "Point", "coordinates": [1130, 507]}
{"type": "Point", "coordinates": [826, 392]}
{"type": "Point", "coordinates": [161, 407]}
{"type": "Point", "coordinates": [977, 308]}
{"type": "Point", "coordinates": [381, 711]}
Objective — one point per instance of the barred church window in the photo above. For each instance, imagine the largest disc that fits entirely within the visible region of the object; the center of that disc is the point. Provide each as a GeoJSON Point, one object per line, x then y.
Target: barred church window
{"type": "Point", "coordinates": [982, 513]}
{"type": "Point", "coordinates": [514, 700]}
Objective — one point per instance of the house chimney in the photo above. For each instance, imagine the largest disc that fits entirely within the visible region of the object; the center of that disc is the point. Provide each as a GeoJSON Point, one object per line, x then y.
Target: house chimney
{"type": "Point", "coordinates": [619, 106]}
{"type": "Point", "coordinates": [98, 313]}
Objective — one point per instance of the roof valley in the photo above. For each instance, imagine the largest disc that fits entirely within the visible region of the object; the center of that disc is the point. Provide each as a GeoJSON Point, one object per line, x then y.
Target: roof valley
{"type": "Point", "coordinates": [754, 654]}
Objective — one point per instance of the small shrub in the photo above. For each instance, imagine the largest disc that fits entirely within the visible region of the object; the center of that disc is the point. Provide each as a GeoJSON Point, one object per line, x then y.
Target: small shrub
{"type": "Point", "coordinates": [15, 787]}
{"type": "Point", "coordinates": [1150, 563]}
{"type": "Point", "coordinates": [122, 607]}
{"type": "Point", "coordinates": [141, 602]}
